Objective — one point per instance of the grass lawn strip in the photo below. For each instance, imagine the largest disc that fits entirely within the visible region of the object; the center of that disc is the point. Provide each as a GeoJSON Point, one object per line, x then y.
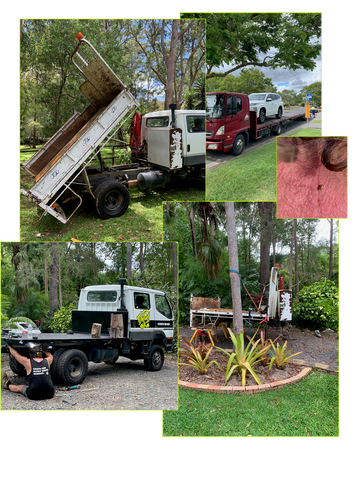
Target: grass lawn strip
{"type": "Point", "coordinates": [307, 408]}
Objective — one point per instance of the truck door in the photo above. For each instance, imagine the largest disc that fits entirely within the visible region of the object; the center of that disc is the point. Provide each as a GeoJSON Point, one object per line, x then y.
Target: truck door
{"type": "Point", "coordinates": [237, 117]}
{"type": "Point", "coordinates": [194, 139]}
{"type": "Point", "coordinates": [270, 105]}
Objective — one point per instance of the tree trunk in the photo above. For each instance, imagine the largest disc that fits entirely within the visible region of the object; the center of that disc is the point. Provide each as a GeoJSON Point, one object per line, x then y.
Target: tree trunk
{"type": "Point", "coordinates": [296, 259]}
{"type": "Point", "coordinates": [175, 265]}
{"type": "Point", "coordinates": [331, 248]}
{"type": "Point", "coordinates": [141, 257]}
{"type": "Point", "coordinates": [46, 277]}
{"type": "Point", "coordinates": [238, 324]}
{"type": "Point", "coordinates": [171, 64]}
{"type": "Point", "coordinates": [53, 280]}
{"type": "Point", "coordinates": [128, 261]}
{"type": "Point", "coordinates": [265, 211]}
{"type": "Point", "coordinates": [291, 256]}
{"type": "Point", "coordinates": [191, 215]}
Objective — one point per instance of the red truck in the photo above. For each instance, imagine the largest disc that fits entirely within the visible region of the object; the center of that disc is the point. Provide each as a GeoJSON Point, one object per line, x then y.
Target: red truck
{"type": "Point", "coordinates": [230, 123]}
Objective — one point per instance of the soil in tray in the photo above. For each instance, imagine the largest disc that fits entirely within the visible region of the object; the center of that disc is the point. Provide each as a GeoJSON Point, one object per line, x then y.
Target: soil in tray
{"type": "Point", "coordinates": [215, 376]}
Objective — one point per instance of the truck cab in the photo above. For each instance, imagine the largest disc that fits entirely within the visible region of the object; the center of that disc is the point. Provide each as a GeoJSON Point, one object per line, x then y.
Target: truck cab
{"type": "Point", "coordinates": [147, 313]}
{"type": "Point", "coordinates": [178, 146]}
{"type": "Point", "coordinates": [171, 140]}
{"type": "Point", "coordinates": [227, 114]}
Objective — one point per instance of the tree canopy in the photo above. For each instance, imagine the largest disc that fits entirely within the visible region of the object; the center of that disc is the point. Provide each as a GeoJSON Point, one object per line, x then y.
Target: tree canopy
{"type": "Point", "coordinates": [31, 270]}
{"type": "Point", "coordinates": [141, 52]}
{"type": "Point", "coordinates": [257, 228]}
{"type": "Point", "coordinates": [238, 40]}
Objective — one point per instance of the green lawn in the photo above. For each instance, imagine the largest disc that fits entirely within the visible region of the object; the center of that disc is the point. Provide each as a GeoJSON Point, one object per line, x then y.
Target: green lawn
{"type": "Point", "coordinates": [251, 177]}
{"type": "Point", "coordinates": [141, 222]}
{"type": "Point", "coordinates": [307, 408]}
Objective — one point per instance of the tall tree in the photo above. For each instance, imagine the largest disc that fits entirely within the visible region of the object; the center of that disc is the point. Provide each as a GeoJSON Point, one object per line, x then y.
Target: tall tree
{"type": "Point", "coordinates": [331, 249]}
{"type": "Point", "coordinates": [266, 215]}
{"type": "Point", "coordinates": [297, 286]}
{"type": "Point", "coordinates": [234, 267]}
{"type": "Point", "coordinates": [128, 261]}
{"type": "Point", "coordinates": [175, 264]}
{"type": "Point", "coordinates": [53, 279]}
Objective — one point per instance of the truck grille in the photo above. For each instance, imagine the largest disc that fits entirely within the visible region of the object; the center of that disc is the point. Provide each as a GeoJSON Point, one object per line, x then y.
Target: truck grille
{"type": "Point", "coordinates": [209, 133]}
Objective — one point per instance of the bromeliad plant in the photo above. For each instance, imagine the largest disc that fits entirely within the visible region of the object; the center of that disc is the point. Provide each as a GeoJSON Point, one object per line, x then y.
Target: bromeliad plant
{"type": "Point", "coordinates": [197, 356]}
{"type": "Point", "coordinates": [280, 356]}
{"type": "Point", "coordinates": [263, 346]}
{"type": "Point", "coordinates": [243, 359]}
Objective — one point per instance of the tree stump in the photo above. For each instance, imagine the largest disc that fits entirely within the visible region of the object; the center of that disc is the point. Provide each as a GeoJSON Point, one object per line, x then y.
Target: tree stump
{"type": "Point", "coordinates": [96, 330]}
{"type": "Point", "coordinates": [116, 329]}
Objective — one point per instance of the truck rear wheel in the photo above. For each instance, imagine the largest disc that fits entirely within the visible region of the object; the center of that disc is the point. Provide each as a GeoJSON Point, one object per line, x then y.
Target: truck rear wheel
{"type": "Point", "coordinates": [155, 360]}
{"type": "Point", "coordinates": [72, 367]}
{"type": "Point", "coordinates": [111, 199]}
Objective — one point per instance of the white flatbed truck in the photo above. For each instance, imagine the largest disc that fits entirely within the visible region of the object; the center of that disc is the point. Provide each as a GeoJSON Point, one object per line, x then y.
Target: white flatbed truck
{"type": "Point", "coordinates": [144, 330]}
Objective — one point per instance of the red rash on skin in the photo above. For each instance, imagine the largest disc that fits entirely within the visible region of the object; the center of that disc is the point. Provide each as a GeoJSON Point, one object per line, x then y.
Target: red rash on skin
{"type": "Point", "coordinates": [298, 192]}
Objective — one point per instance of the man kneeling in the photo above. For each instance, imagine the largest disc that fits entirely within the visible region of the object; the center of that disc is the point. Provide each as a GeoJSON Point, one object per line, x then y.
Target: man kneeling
{"type": "Point", "coordinates": [38, 371]}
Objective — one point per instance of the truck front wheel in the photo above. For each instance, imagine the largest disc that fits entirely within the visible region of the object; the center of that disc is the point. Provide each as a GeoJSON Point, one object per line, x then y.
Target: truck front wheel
{"type": "Point", "coordinates": [155, 360]}
{"type": "Point", "coordinates": [16, 367]}
{"type": "Point", "coordinates": [238, 145]}
{"type": "Point", "coordinates": [72, 367]}
{"type": "Point", "coordinates": [111, 199]}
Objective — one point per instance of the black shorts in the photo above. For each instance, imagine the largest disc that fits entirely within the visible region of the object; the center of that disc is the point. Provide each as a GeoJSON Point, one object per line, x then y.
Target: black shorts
{"type": "Point", "coordinates": [45, 397]}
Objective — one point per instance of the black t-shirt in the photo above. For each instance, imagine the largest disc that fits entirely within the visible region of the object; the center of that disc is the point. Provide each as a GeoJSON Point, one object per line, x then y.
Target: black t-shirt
{"type": "Point", "coordinates": [40, 383]}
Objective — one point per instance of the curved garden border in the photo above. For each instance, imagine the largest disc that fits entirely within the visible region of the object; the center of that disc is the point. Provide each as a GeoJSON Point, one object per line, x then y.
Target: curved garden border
{"type": "Point", "coordinates": [247, 389]}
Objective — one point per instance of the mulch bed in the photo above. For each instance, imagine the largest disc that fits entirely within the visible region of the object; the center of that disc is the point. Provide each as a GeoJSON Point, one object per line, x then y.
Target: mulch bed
{"type": "Point", "coordinates": [215, 376]}
{"type": "Point", "coordinates": [321, 349]}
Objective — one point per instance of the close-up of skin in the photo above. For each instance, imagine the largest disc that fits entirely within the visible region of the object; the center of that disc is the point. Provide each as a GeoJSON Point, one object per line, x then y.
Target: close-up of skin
{"type": "Point", "coordinates": [312, 177]}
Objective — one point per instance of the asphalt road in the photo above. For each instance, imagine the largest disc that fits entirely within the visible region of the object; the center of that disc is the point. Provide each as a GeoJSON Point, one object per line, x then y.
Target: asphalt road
{"type": "Point", "coordinates": [215, 159]}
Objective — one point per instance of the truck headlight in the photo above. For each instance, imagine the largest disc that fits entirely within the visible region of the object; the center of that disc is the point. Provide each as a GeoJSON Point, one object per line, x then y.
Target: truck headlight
{"type": "Point", "coordinates": [221, 131]}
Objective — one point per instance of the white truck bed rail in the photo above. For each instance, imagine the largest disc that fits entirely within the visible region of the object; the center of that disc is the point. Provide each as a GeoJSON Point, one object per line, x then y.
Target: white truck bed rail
{"type": "Point", "coordinates": [65, 156]}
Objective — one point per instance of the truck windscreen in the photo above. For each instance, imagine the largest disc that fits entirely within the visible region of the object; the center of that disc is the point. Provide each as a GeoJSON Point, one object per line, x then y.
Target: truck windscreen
{"type": "Point", "coordinates": [215, 106]}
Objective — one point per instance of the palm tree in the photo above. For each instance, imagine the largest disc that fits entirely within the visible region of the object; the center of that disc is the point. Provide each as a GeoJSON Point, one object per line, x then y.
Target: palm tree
{"type": "Point", "coordinates": [210, 250]}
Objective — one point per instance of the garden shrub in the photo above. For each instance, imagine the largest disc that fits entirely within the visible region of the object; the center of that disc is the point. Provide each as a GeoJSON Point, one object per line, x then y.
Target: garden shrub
{"type": "Point", "coordinates": [318, 306]}
{"type": "Point", "coordinates": [61, 321]}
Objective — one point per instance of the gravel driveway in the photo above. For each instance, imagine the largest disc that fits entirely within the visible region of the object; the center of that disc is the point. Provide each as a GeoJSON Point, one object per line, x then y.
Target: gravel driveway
{"type": "Point", "coordinates": [125, 385]}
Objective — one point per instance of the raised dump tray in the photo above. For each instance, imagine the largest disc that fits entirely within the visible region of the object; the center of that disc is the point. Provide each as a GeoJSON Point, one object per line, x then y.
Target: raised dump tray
{"type": "Point", "coordinates": [69, 151]}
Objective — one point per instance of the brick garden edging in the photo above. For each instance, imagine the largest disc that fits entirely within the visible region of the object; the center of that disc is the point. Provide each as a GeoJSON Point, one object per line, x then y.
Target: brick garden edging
{"type": "Point", "coordinates": [248, 389]}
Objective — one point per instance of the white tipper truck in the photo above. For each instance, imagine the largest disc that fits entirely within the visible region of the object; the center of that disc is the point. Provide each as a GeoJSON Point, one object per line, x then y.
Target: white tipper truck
{"type": "Point", "coordinates": [175, 146]}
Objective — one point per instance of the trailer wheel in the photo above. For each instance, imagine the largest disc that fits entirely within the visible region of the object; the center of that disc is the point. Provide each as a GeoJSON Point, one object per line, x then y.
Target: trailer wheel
{"type": "Point", "coordinates": [238, 145]}
{"type": "Point", "coordinates": [111, 199]}
{"type": "Point", "coordinates": [155, 360]}
{"type": "Point", "coordinates": [72, 367]}
{"type": "Point", "coordinates": [279, 114]}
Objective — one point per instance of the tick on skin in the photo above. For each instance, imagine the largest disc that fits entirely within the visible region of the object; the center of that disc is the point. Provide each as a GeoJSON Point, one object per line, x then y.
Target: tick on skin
{"type": "Point", "coordinates": [319, 187]}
